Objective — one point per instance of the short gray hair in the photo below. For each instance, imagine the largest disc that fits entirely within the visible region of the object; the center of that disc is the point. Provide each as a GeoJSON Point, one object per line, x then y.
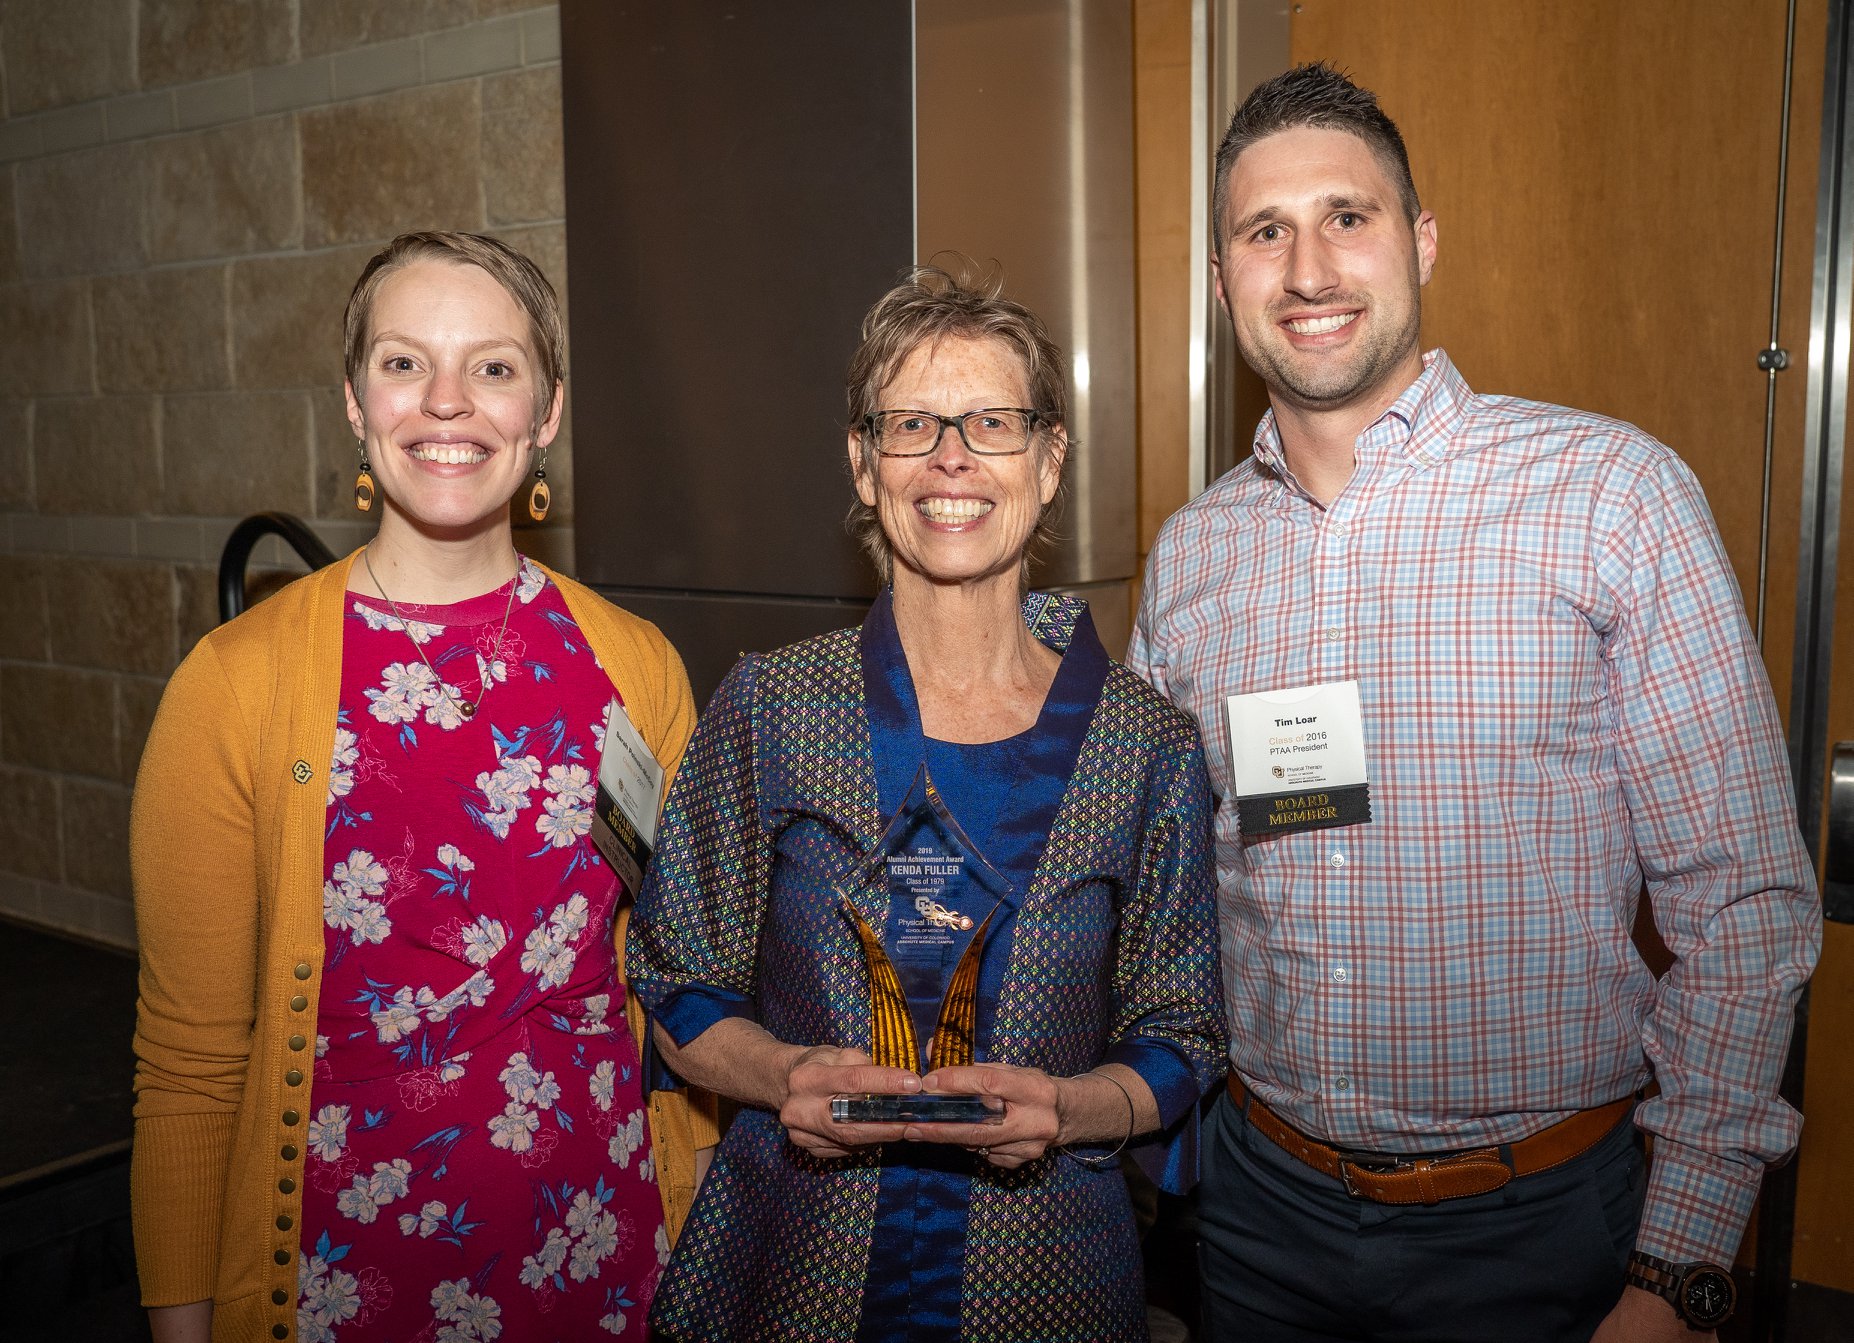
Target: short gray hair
{"type": "Point", "coordinates": [928, 306]}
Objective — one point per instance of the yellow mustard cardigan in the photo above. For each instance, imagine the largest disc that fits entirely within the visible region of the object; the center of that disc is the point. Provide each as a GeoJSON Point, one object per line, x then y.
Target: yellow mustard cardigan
{"type": "Point", "coordinates": [226, 845]}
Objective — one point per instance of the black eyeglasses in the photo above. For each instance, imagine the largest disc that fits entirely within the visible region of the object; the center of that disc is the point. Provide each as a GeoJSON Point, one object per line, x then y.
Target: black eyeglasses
{"type": "Point", "coordinates": [997, 431]}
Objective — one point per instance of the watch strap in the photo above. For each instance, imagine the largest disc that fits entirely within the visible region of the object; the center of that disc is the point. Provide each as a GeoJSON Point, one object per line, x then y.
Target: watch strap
{"type": "Point", "coordinates": [1655, 1275]}
{"type": "Point", "coordinates": [1668, 1281]}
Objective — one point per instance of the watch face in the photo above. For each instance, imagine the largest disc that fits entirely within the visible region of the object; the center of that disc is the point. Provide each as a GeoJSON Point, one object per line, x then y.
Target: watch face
{"type": "Point", "coordinates": [1706, 1297]}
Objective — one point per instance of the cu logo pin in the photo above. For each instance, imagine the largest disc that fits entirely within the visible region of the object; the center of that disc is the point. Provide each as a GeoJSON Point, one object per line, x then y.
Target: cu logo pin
{"type": "Point", "coordinates": [301, 772]}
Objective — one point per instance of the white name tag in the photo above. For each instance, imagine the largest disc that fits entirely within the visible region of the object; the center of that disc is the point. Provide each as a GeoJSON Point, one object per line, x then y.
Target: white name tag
{"type": "Point", "coordinates": [630, 791]}
{"type": "Point", "coordinates": [1299, 759]}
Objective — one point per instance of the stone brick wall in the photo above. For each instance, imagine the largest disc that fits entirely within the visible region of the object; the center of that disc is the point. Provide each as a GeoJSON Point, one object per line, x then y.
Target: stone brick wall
{"type": "Point", "coordinates": [187, 190]}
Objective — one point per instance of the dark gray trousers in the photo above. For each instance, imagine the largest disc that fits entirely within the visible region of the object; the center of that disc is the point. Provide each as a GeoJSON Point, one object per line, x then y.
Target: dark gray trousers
{"type": "Point", "coordinates": [1289, 1257]}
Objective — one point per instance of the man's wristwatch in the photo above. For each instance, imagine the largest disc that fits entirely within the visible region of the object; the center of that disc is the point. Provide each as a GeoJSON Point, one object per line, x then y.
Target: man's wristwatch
{"type": "Point", "coordinates": [1702, 1294]}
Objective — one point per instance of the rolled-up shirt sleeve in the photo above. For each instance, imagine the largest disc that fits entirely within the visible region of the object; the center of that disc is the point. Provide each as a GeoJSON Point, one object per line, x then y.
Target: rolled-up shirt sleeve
{"type": "Point", "coordinates": [687, 1013]}
{"type": "Point", "coordinates": [1163, 1067]}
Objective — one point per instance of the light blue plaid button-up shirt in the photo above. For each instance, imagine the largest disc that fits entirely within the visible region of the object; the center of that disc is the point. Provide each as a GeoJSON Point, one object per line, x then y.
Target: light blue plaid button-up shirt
{"type": "Point", "coordinates": [1562, 704]}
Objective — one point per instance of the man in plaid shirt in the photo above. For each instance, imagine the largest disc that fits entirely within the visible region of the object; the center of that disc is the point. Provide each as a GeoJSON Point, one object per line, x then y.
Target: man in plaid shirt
{"type": "Point", "coordinates": [1526, 628]}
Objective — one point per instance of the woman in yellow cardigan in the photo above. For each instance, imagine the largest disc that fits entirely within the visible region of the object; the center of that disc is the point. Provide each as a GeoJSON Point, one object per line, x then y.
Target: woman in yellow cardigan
{"type": "Point", "coordinates": [388, 1082]}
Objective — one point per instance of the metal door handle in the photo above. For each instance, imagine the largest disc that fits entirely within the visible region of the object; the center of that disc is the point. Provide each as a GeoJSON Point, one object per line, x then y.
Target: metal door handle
{"type": "Point", "coordinates": [1838, 867]}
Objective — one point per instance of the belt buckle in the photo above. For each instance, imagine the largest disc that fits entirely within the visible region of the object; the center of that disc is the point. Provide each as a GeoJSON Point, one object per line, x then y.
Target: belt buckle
{"type": "Point", "coordinates": [1370, 1163]}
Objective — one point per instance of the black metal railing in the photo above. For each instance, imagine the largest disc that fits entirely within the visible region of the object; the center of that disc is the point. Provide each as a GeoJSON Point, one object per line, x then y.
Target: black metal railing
{"type": "Point", "coordinates": [245, 536]}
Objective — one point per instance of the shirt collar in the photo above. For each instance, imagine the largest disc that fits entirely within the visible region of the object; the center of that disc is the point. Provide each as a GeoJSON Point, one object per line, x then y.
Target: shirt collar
{"type": "Point", "coordinates": [1418, 426]}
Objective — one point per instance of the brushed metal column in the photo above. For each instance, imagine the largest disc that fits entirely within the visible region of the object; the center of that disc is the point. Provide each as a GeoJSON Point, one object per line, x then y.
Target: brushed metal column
{"type": "Point", "coordinates": [1024, 158]}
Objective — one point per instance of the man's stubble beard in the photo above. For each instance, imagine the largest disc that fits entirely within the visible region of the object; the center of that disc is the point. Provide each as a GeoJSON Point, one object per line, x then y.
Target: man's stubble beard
{"type": "Point", "coordinates": [1316, 383]}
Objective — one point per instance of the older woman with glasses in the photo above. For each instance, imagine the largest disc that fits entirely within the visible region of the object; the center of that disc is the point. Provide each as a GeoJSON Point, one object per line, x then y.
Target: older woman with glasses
{"type": "Point", "coordinates": [931, 899]}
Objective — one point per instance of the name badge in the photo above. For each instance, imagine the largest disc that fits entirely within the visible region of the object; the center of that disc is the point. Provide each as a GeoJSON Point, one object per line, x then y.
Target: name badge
{"type": "Point", "coordinates": [630, 790]}
{"type": "Point", "coordinates": [1299, 758]}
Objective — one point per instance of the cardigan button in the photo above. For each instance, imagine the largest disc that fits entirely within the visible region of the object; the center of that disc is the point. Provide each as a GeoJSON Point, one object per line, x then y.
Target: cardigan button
{"type": "Point", "coordinates": [283, 1223]}
{"type": "Point", "coordinates": [302, 970]}
{"type": "Point", "coordinates": [286, 1186]}
{"type": "Point", "coordinates": [297, 1042]}
{"type": "Point", "coordinates": [282, 1256]}
{"type": "Point", "coordinates": [288, 1153]}
{"type": "Point", "coordinates": [280, 1331]}
{"type": "Point", "coordinates": [293, 1077]}
{"type": "Point", "coordinates": [280, 1297]}
{"type": "Point", "coordinates": [299, 1004]}
{"type": "Point", "coordinates": [289, 1118]}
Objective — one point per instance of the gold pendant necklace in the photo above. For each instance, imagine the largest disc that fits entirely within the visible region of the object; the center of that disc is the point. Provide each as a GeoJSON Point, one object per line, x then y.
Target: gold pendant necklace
{"type": "Point", "coordinates": [467, 708]}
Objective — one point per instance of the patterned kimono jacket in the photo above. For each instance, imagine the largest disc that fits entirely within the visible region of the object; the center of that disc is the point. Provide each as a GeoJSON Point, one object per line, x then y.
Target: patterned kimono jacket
{"type": "Point", "coordinates": [1109, 953]}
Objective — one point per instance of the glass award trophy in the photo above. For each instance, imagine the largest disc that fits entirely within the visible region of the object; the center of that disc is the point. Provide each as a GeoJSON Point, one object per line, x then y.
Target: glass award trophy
{"type": "Point", "coordinates": [924, 965]}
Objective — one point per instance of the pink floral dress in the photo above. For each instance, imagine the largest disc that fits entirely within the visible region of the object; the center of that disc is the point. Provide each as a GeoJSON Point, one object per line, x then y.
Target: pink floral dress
{"type": "Point", "coordinates": [478, 1165]}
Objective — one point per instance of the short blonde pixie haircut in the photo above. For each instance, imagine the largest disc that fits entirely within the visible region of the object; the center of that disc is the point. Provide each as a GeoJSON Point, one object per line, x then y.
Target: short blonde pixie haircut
{"type": "Point", "coordinates": [519, 276]}
{"type": "Point", "coordinates": [928, 306]}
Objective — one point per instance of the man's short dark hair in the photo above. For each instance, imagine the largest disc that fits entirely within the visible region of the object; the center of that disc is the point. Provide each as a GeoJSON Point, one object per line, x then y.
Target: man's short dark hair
{"type": "Point", "coordinates": [1321, 97]}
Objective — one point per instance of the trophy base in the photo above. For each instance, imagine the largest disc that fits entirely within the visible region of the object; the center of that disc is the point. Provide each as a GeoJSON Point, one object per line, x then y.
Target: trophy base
{"type": "Point", "coordinates": [918, 1108]}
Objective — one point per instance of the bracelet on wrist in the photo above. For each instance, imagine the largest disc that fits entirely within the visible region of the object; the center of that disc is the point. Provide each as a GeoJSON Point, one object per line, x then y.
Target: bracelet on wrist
{"type": "Point", "coordinates": [1106, 1158]}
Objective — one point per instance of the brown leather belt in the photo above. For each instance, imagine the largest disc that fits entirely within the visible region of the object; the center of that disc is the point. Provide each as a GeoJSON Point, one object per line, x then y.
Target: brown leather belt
{"type": "Point", "coordinates": [1429, 1180]}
